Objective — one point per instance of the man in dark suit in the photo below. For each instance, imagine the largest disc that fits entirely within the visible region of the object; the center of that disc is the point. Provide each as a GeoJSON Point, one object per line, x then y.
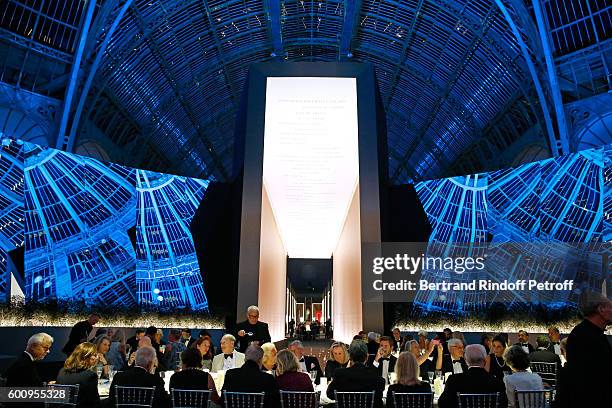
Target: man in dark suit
{"type": "Point", "coordinates": [555, 340]}
{"type": "Point", "coordinates": [133, 341]}
{"type": "Point", "coordinates": [80, 333]}
{"type": "Point", "coordinates": [383, 361]}
{"type": "Point", "coordinates": [22, 372]}
{"type": "Point", "coordinates": [523, 341]}
{"type": "Point", "coordinates": [358, 377]}
{"type": "Point", "coordinates": [454, 362]}
{"type": "Point", "coordinates": [186, 337]}
{"type": "Point", "coordinates": [542, 354]}
{"type": "Point", "coordinates": [307, 363]}
{"type": "Point", "coordinates": [398, 341]}
{"type": "Point", "coordinates": [252, 330]}
{"type": "Point", "coordinates": [475, 381]}
{"type": "Point", "coordinates": [142, 375]}
{"type": "Point", "coordinates": [250, 378]}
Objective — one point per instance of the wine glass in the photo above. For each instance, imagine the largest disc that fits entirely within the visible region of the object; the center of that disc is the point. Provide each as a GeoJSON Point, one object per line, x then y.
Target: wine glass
{"type": "Point", "coordinates": [430, 375]}
{"type": "Point", "coordinates": [313, 375]}
{"type": "Point", "coordinates": [439, 375]}
{"type": "Point", "coordinates": [99, 371]}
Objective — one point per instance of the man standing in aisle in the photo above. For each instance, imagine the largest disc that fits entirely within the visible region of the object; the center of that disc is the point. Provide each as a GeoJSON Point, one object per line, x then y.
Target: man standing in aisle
{"type": "Point", "coordinates": [252, 331]}
{"type": "Point", "coordinates": [81, 332]}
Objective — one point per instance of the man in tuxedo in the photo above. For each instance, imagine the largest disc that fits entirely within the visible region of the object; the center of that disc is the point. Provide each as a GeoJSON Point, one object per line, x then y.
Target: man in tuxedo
{"type": "Point", "coordinates": [383, 361]}
{"type": "Point", "coordinates": [22, 372]}
{"type": "Point", "coordinates": [307, 363]}
{"type": "Point", "coordinates": [398, 342]}
{"type": "Point", "coordinates": [142, 375]}
{"type": "Point", "coordinates": [186, 338]}
{"type": "Point", "coordinates": [250, 378]}
{"type": "Point", "coordinates": [252, 330]}
{"type": "Point", "coordinates": [542, 354]}
{"type": "Point", "coordinates": [229, 357]}
{"type": "Point", "coordinates": [523, 341]}
{"type": "Point", "coordinates": [454, 362]}
{"type": "Point", "coordinates": [474, 381]}
{"type": "Point", "coordinates": [133, 341]}
{"type": "Point", "coordinates": [589, 356]}
{"type": "Point", "coordinates": [358, 377]}
{"type": "Point", "coordinates": [80, 333]}
{"type": "Point", "coordinates": [555, 340]}
{"type": "Point", "coordinates": [150, 332]}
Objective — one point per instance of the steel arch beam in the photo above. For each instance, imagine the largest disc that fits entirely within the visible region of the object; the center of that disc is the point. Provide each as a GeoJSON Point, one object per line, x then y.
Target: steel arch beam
{"type": "Point", "coordinates": [276, 31]}
{"type": "Point", "coordinates": [349, 27]}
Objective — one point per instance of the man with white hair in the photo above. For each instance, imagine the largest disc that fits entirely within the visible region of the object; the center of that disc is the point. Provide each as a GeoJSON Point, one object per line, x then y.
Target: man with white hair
{"type": "Point", "coordinates": [589, 356]}
{"type": "Point", "coordinates": [454, 362]}
{"type": "Point", "coordinates": [229, 357]}
{"type": "Point", "coordinates": [142, 374]}
{"type": "Point", "coordinates": [252, 331]}
{"type": "Point", "coordinates": [474, 381]}
{"type": "Point", "coordinates": [307, 363]}
{"type": "Point", "coordinates": [23, 373]}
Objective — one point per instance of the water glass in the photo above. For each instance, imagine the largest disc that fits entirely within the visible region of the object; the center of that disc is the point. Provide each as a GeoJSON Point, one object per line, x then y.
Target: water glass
{"type": "Point", "coordinates": [99, 371]}
{"type": "Point", "coordinates": [430, 375]}
{"type": "Point", "coordinates": [313, 375]}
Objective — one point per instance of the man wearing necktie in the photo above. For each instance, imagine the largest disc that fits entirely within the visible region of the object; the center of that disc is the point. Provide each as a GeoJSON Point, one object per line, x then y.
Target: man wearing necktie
{"type": "Point", "coordinates": [383, 361]}
{"type": "Point", "coordinates": [229, 357]}
{"type": "Point", "coordinates": [523, 338]}
{"type": "Point", "coordinates": [555, 340]}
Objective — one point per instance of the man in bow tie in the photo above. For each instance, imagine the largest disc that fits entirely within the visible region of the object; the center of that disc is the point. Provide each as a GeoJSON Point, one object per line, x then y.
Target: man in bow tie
{"type": "Point", "coordinates": [307, 363]}
{"type": "Point", "coordinates": [555, 340]}
{"type": "Point", "coordinates": [383, 361]}
{"type": "Point", "coordinates": [523, 341]}
{"type": "Point", "coordinates": [229, 357]}
{"type": "Point", "coordinates": [453, 363]}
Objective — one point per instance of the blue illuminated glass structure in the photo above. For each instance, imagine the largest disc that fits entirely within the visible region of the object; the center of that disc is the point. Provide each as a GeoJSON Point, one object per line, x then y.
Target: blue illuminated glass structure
{"type": "Point", "coordinates": [167, 270]}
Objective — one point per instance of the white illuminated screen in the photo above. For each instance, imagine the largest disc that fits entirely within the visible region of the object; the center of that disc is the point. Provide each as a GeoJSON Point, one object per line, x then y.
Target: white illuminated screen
{"type": "Point", "coordinates": [311, 163]}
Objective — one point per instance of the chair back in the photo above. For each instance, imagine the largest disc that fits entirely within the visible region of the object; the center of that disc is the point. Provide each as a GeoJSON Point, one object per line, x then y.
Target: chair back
{"type": "Point", "coordinates": [413, 400]}
{"type": "Point", "coordinates": [189, 398]}
{"type": "Point", "coordinates": [478, 400]}
{"type": "Point", "coordinates": [134, 397]}
{"type": "Point", "coordinates": [548, 372]}
{"type": "Point", "coordinates": [299, 399]}
{"type": "Point", "coordinates": [530, 399]}
{"type": "Point", "coordinates": [354, 399]}
{"type": "Point", "coordinates": [70, 391]}
{"type": "Point", "coordinates": [243, 399]}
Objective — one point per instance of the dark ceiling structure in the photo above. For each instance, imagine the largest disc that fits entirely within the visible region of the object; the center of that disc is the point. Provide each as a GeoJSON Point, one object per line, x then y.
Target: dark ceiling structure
{"type": "Point", "coordinates": [468, 85]}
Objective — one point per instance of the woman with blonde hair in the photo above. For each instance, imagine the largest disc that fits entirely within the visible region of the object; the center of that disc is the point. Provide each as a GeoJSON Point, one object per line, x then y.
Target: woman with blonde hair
{"type": "Point", "coordinates": [269, 358]}
{"type": "Point", "coordinates": [407, 373]}
{"type": "Point", "coordinates": [288, 375]}
{"type": "Point", "coordinates": [77, 370]}
{"type": "Point", "coordinates": [338, 358]}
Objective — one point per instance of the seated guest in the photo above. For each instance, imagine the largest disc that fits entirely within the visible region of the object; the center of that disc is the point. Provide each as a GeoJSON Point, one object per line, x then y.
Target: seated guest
{"type": "Point", "coordinates": [495, 364]}
{"type": "Point", "coordinates": [144, 341]}
{"type": "Point", "coordinates": [173, 350]}
{"type": "Point", "coordinates": [518, 360]}
{"type": "Point", "coordinates": [142, 375]}
{"type": "Point", "coordinates": [474, 381]}
{"type": "Point", "coordinates": [307, 363]}
{"type": "Point", "coordinates": [358, 377]}
{"type": "Point", "coordinates": [132, 342]}
{"type": "Point", "coordinates": [485, 341]}
{"type": "Point", "coordinates": [523, 341]}
{"type": "Point", "coordinates": [398, 342]}
{"type": "Point", "coordinates": [22, 372]}
{"type": "Point", "coordinates": [425, 364]}
{"type": "Point", "coordinates": [383, 360]}
{"type": "Point", "coordinates": [407, 372]}
{"type": "Point", "coordinates": [186, 337]}
{"type": "Point", "coordinates": [151, 333]}
{"type": "Point", "coordinates": [373, 343]}
{"type": "Point", "coordinates": [159, 337]}
{"type": "Point", "coordinates": [453, 362]}
{"type": "Point", "coordinates": [363, 335]}
{"type": "Point", "coordinates": [555, 340]}
{"type": "Point", "coordinates": [77, 371]}
{"type": "Point", "coordinates": [460, 336]}
{"type": "Point", "coordinates": [203, 345]}
{"type": "Point", "coordinates": [250, 378]}
{"type": "Point", "coordinates": [288, 376]}
{"type": "Point", "coordinates": [116, 355]}
{"type": "Point", "coordinates": [563, 355]}
{"type": "Point", "coordinates": [229, 357]}
{"type": "Point", "coordinates": [338, 358]}
{"type": "Point", "coordinates": [103, 345]}
{"type": "Point", "coordinates": [269, 359]}
{"type": "Point", "coordinates": [542, 354]}
{"type": "Point", "coordinates": [191, 377]}
{"type": "Point", "coordinates": [422, 341]}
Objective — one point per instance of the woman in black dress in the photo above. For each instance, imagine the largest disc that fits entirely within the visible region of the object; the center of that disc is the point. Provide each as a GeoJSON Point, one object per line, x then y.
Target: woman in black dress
{"type": "Point", "coordinates": [77, 370]}
{"type": "Point", "coordinates": [495, 363]}
{"type": "Point", "coordinates": [338, 358]}
{"type": "Point", "coordinates": [407, 373]}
